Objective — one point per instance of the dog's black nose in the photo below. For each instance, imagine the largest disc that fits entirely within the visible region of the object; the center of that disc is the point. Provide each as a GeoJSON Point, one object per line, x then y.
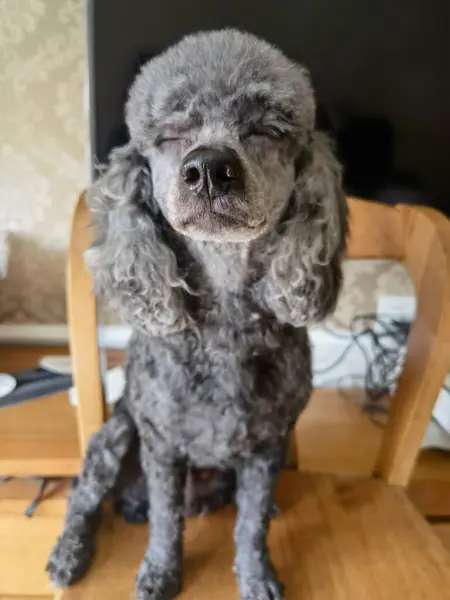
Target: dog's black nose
{"type": "Point", "coordinates": [212, 171]}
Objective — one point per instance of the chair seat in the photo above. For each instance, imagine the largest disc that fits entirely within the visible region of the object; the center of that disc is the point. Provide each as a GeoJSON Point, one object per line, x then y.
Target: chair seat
{"type": "Point", "coordinates": [334, 539]}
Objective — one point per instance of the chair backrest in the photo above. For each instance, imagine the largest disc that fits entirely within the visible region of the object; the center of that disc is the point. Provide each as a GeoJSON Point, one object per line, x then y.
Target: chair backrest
{"type": "Point", "coordinates": [419, 237]}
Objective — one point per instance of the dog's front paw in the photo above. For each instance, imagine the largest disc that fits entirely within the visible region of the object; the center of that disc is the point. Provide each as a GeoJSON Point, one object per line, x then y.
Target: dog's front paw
{"type": "Point", "coordinates": [156, 583]}
{"type": "Point", "coordinates": [70, 558]}
{"type": "Point", "coordinates": [260, 583]}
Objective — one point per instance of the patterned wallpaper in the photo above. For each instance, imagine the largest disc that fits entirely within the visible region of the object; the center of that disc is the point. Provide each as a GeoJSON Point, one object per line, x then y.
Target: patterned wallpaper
{"type": "Point", "coordinates": [42, 151]}
{"type": "Point", "coordinates": [43, 166]}
{"type": "Point", "coordinates": [364, 283]}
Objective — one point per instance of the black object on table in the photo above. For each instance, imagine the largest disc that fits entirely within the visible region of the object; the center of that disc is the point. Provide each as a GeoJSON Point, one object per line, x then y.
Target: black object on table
{"type": "Point", "coordinates": [35, 383]}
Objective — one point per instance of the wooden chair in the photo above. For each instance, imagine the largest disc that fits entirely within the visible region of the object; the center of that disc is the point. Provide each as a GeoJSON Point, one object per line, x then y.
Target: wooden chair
{"type": "Point", "coordinates": [336, 538]}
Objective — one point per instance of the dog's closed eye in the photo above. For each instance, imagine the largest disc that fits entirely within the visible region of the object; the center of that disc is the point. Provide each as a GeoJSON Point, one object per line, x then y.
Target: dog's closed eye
{"type": "Point", "coordinates": [261, 131]}
{"type": "Point", "coordinates": [166, 140]}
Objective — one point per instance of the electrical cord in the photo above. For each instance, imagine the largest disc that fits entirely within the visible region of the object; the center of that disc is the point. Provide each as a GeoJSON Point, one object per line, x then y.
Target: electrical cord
{"type": "Point", "coordinates": [29, 511]}
{"type": "Point", "coordinates": [385, 338]}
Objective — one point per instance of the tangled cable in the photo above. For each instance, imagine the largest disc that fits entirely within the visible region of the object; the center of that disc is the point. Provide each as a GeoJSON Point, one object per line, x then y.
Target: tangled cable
{"type": "Point", "coordinates": [382, 341]}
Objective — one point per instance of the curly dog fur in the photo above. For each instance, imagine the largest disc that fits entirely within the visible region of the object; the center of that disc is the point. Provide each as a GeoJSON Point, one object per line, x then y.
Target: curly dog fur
{"type": "Point", "coordinates": [219, 289]}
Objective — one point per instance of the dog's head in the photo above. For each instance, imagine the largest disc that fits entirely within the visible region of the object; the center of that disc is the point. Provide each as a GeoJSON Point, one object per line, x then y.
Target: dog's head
{"type": "Point", "coordinates": [223, 120]}
{"type": "Point", "coordinates": [222, 149]}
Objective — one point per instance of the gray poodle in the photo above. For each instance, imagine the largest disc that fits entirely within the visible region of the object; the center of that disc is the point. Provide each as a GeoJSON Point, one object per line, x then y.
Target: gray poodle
{"type": "Point", "coordinates": [220, 229]}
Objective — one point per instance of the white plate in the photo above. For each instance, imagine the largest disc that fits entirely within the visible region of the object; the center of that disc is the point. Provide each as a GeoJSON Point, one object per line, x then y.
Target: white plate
{"type": "Point", "coordinates": [57, 364]}
{"type": "Point", "coordinates": [7, 384]}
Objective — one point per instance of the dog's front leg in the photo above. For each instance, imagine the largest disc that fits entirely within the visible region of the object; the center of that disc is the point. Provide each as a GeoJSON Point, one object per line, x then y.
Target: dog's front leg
{"type": "Point", "coordinates": [256, 480]}
{"type": "Point", "coordinates": [160, 574]}
{"type": "Point", "coordinates": [73, 551]}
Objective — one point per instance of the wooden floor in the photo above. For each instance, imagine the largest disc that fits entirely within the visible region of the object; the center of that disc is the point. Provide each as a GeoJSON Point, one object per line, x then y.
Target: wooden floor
{"type": "Point", "coordinates": [333, 435]}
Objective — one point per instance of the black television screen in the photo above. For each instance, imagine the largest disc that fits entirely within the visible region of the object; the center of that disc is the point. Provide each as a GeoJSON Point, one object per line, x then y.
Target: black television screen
{"type": "Point", "coordinates": [381, 71]}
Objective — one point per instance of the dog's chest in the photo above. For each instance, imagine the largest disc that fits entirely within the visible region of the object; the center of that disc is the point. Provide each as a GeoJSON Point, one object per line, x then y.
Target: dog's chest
{"type": "Point", "coordinates": [218, 396]}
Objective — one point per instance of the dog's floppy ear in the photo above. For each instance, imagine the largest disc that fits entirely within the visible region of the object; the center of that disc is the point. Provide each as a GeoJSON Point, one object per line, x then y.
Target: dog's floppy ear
{"type": "Point", "coordinates": [132, 265]}
{"type": "Point", "coordinates": [304, 276]}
